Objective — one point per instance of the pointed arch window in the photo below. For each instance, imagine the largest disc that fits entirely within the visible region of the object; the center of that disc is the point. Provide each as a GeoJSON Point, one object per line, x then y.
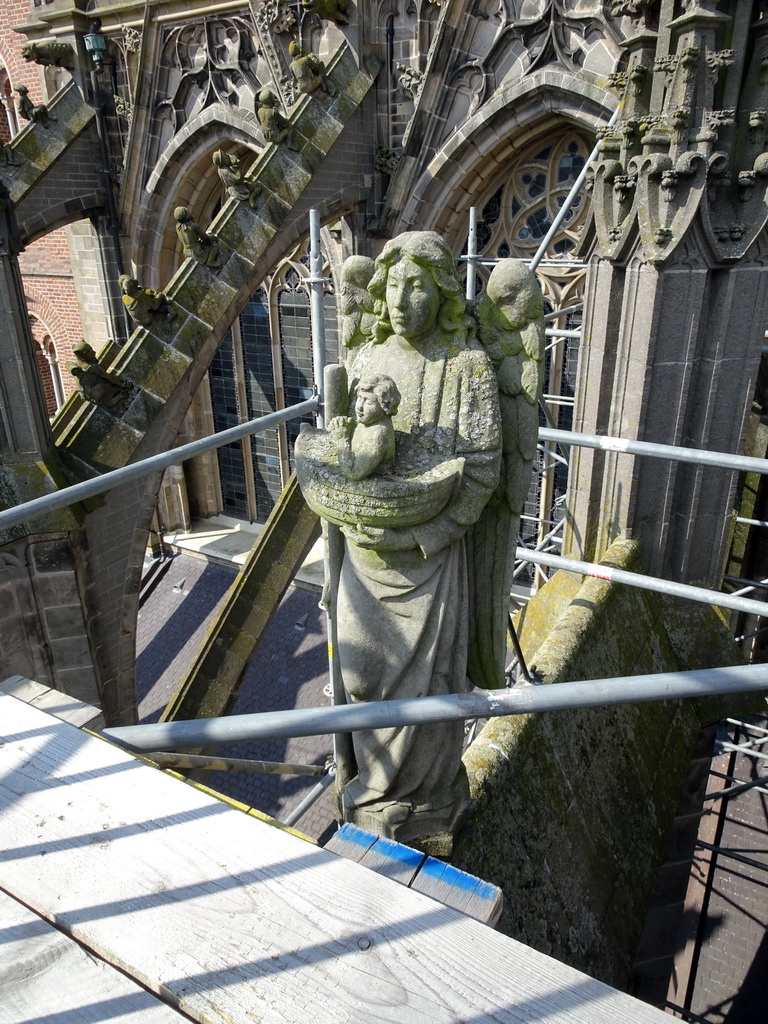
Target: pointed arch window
{"type": "Point", "coordinates": [264, 364]}
{"type": "Point", "coordinates": [515, 213]}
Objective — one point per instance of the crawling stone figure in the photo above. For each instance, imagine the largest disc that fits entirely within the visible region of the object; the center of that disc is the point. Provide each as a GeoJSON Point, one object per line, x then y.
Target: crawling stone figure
{"type": "Point", "coordinates": [50, 55]}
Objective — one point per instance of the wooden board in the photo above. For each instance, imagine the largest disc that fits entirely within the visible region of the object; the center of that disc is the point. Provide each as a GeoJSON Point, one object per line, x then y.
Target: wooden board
{"type": "Point", "coordinates": [237, 922]}
{"type": "Point", "coordinates": [46, 977]}
{"type": "Point", "coordinates": [67, 708]}
{"type": "Point", "coordinates": [459, 889]}
{"type": "Point", "coordinates": [433, 877]}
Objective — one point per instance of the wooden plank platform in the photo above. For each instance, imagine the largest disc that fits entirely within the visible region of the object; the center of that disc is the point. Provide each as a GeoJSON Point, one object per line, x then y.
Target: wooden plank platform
{"type": "Point", "coordinates": [236, 922]}
{"type": "Point", "coordinates": [68, 709]}
{"type": "Point", "coordinates": [45, 976]}
{"type": "Point", "coordinates": [441, 881]}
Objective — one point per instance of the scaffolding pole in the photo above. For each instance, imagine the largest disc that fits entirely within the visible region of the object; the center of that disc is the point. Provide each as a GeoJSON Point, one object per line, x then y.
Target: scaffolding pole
{"type": "Point", "coordinates": [388, 714]}
{"type": "Point", "coordinates": [88, 488]}
{"type": "Point", "coordinates": [675, 453]}
{"type": "Point", "coordinates": [635, 579]}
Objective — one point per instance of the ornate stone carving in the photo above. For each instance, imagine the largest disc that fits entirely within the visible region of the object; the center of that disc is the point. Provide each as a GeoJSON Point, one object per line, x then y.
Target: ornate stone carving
{"type": "Point", "coordinates": [267, 17]}
{"type": "Point", "coordinates": [336, 11]}
{"type": "Point", "coordinates": [123, 108]}
{"type": "Point", "coordinates": [36, 114]}
{"type": "Point", "coordinates": [387, 159]}
{"type": "Point", "coordinates": [549, 37]}
{"type": "Point", "coordinates": [132, 38]}
{"type": "Point", "coordinates": [465, 430]}
{"type": "Point", "coordinates": [109, 390]}
{"type": "Point", "coordinates": [280, 16]}
{"type": "Point", "coordinates": [206, 62]}
{"type": "Point", "coordinates": [196, 244]}
{"type": "Point", "coordinates": [688, 149]}
{"type": "Point", "coordinates": [634, 8]}
{"type": "Point", "coordinates": [51, 54]}
{"type": "Point", "coordinates": [411, 80]}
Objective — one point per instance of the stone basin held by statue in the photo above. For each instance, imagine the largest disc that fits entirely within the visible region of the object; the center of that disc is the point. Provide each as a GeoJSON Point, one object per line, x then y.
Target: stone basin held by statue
{"type": "Point", "coordinates": [415, 492]}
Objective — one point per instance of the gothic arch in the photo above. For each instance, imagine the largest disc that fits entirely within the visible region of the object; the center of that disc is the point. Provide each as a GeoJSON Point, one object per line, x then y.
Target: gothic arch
{"type": "Point", "coordinates": [441, 196]}
{"type": "Point", "coordinates": [185, 176]}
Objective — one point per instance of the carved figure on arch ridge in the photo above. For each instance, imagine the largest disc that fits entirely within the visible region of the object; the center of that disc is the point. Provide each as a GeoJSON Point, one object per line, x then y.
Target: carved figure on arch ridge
{"type": "Point", "coordinates": [274, 126]}
{"type": "Point", "coordinates": [309, 71]}
{"type": "Point", "coordinates": [196, 244]}
{"type": "Point", "coordinates": [108, 390]}
{"type": "Point", "coordinates": [36, 114]}
{"type": "Point", "coordinates": [234, 180]}
{"type": "Point", "coordinates": [144, 304]}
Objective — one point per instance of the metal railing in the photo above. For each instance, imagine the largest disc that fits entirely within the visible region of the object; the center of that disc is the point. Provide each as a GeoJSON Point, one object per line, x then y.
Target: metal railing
{"type": "Point", "coordinates": [136, 470]}
{"type": "Point", "coordinates": [386, 714]}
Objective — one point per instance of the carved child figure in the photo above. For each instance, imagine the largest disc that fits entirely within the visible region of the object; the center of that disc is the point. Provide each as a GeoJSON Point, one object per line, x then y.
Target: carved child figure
{"type": "Point", "coordinates": [274, 126]}
{"type": "Point", "coordinates": [308, 70]}
{"type": "Point", "coordinates": [367, 442]}
{"type": "Point", "coordinates": [144, 303]}
{"type": "Point", "coordinates": [36, 114]}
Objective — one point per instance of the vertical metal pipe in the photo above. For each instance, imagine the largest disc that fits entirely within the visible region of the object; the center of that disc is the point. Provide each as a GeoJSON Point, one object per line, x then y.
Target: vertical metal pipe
{"type": "Point", "coordinates": [316, 282]}
{"type": "Point", "coordinates": [317, 309]}
{"type": "Point", "coordinates": [471, 253]}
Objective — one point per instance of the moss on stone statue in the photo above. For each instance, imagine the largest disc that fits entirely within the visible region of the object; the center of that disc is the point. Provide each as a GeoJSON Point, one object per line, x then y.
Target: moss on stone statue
{"type": "Point", "coordinates": [571, 810]}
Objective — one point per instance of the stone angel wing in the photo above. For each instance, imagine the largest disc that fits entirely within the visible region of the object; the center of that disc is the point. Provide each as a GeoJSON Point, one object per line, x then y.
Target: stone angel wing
{"type": "Point", "coordinates": [510, 320]}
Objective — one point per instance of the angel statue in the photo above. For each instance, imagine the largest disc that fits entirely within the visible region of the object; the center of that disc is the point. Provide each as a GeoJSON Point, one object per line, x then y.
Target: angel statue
{"type": "Point", "coordinates": [355, 302]}
{"type": "Point", "coordinates": [510, 319]}
{"type": "Point", "coordinates": [402, 591]}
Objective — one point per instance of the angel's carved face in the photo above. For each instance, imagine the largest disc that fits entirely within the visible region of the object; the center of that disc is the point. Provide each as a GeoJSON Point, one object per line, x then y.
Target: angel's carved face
{"type": "Point", "coordinates": [413, 300]}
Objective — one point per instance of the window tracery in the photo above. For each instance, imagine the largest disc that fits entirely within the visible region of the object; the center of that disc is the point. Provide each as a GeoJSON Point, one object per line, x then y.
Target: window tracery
{"type": "Point", "coordinates": [264, 364]}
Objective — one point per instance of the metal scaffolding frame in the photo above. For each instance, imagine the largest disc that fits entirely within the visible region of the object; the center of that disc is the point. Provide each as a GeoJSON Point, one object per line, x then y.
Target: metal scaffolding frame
{"type": "Point", "coordinates": [540, 555]}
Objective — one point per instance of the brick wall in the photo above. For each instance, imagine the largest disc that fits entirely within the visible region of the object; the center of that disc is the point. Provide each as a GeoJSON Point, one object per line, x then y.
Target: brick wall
{"type": "Point", "coordinates": [52, 299]}
{"type": "Point", "coordinates": [13, 13]}
{"type": "Point", "coordinates": [45, 264]}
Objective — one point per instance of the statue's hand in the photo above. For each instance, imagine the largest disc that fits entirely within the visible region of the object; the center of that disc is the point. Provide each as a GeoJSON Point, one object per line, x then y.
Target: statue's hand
{"type": "Point", "coordinates": [341, 428]}
{"type": "Point", "coordinates": [380, 539]}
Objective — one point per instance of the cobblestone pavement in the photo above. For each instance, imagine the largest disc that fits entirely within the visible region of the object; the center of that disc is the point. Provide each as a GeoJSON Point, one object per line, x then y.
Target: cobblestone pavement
{"type": "Point", "coordinates": [288, 670]}
{"type": "Point", "coordinates": [730, 982]}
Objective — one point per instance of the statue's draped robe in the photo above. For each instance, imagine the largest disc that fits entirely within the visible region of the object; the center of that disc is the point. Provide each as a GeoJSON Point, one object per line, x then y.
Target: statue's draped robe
{"type": "Point", "coordinates": [404, 616]}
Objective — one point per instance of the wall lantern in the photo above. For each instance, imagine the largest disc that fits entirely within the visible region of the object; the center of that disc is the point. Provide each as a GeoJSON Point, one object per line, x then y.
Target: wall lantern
{"type": "Point", "coordinates": [96, 43]}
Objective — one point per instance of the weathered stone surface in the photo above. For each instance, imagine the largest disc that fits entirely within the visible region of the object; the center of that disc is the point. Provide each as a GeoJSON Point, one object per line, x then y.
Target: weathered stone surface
{"type": "Point", "coordinates": [405, 609]}
{"type": "Point", "coordinates": [571, 811]}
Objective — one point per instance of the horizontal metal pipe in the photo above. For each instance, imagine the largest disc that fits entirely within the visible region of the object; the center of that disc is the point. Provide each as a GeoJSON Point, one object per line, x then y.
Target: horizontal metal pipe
{"type": "Point", "coordinates": [672, 452]}
{"type": "Point", "coordinates": [752, 522]}
{"type": "Point", "coordinates": [387, 714]}
{"type": "Point", "coordinates": [636, 579]}
{"type": "Point", "coordinates": [106, 481]}
{"type": "Point", "coordinates": [552, 332]}
{"type": "Point", "coordinates": [233, 764]}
